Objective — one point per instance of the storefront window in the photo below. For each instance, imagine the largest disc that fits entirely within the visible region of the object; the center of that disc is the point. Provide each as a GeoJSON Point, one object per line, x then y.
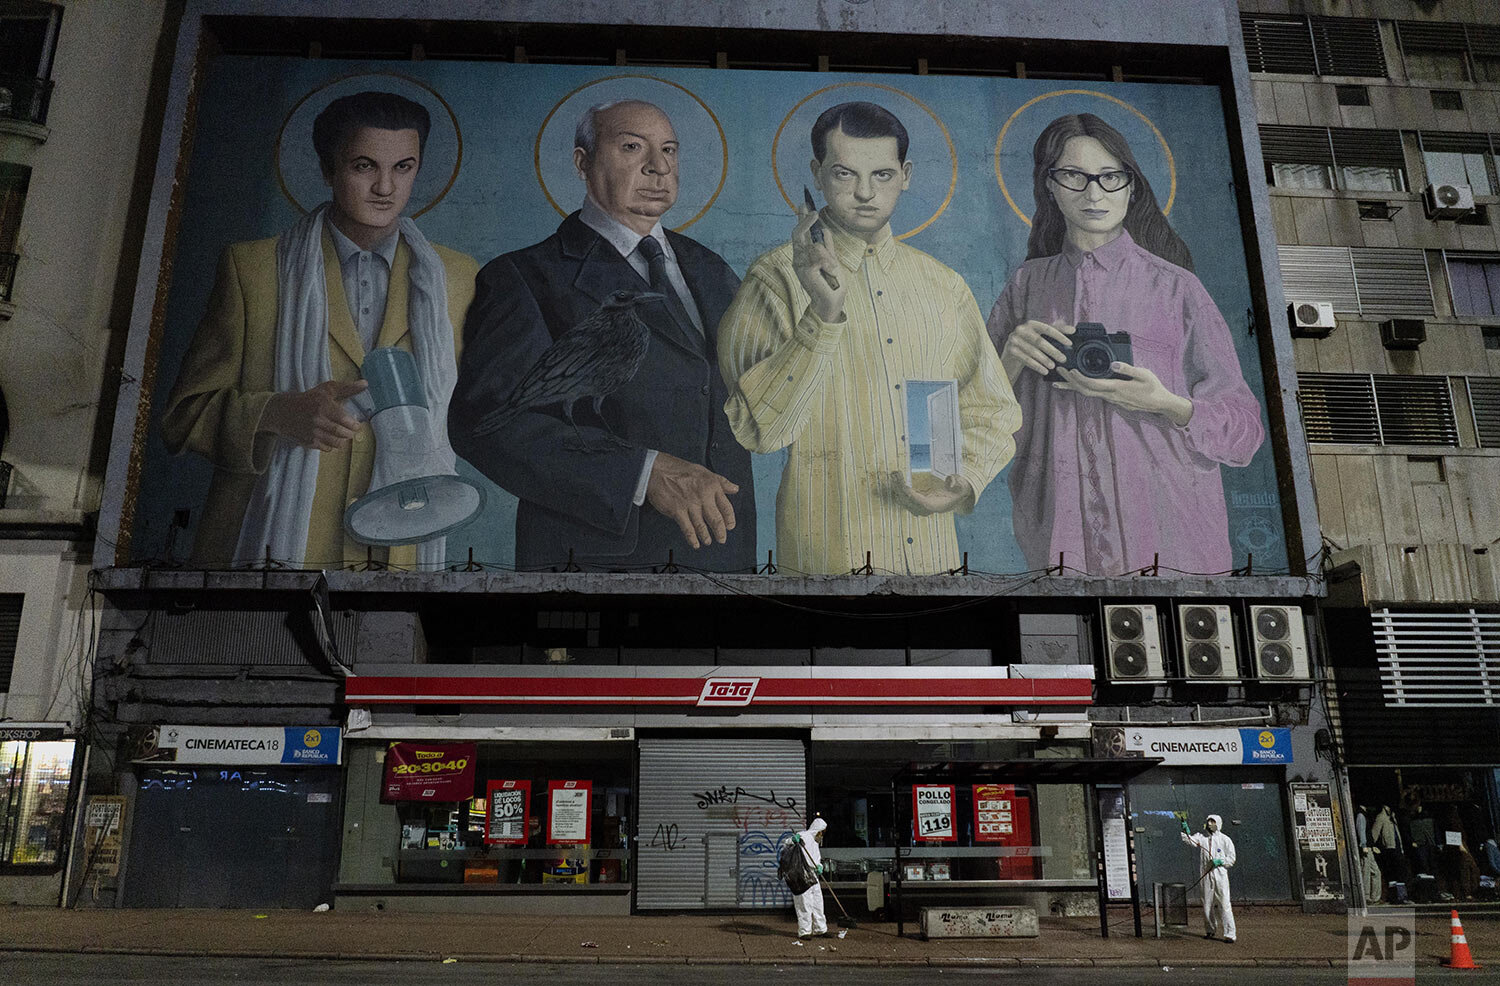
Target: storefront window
{"type": "Point", "coordinates": [444, 842]}
{"type": "Point", "coordinates": [34, 783]}
{"type": "Point", "coordinates": [1429, 833]}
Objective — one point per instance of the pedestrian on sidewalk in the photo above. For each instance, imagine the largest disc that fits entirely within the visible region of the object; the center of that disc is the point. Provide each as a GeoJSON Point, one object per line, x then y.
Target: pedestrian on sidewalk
{"type": "Point", "coordinates": [809, 904]}
{"type": "Point", "coordinates": [1215, 856]}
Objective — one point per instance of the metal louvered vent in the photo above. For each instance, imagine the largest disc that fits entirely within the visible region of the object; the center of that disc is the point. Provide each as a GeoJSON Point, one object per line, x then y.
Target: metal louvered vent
{"type": "Point", "coordinates": [1319, 274]}
{"type": "Point", "coordinates": [241, 638]}
{"type": "Point", "coordinates": [1484, 400]}
{"type": "Point", "coordinates": [1380, 148]}
{"type": "Point", "coordinates": [10, 634]}
{"type": "Point", "coordinates": [1453, 143]}
{"type": "Point", "coordinates": [1339, 408]}
{"type": "Point", "coordinates": [1415, 410]}
{"type": "Point", "coordinates": [1392, 282]}
{"type": "Point", "coordinates": [1348, 46]}
{"type": "Point", "coordinates": [1429, 36]}
{"type": "Point", "coordinates": [1438, 659]}
{"type": "Point", "coordinates": [1304, 145]}
{"type": "Point", "coordinates": [1484, 40]}
{"type": "Point", "coordinates": [1278, 44]}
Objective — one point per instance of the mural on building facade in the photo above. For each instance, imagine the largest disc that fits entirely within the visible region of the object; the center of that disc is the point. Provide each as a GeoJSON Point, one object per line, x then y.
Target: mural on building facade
{"type": "Point", "coordinates": [708, 317]}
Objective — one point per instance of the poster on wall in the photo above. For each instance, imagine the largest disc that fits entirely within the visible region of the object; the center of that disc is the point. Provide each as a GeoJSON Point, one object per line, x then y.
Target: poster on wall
{"type": "Point", "coordinates": [569, 812]}
{"type": "Point", "coordinates": [589, 263]}
{"type": "Point", "coordinates": [1316, 838]}
{"type": "Point", "coordinates": [429, 771]}
{"type": "Point", "coordinates": [508, 809]}
{"type": "Point", "coordinates": [994, 812]}
{"type": "Point", "coordinates": [103, 824]}
{"type": "Point", "coordinates": [932, 812]}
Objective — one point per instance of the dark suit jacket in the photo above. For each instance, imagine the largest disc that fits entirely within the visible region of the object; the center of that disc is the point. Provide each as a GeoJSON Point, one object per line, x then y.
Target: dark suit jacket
{"type": "Point", "coordinates": [581, 499]}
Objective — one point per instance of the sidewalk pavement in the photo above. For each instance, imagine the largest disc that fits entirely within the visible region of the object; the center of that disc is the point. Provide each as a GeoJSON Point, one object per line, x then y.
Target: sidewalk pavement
{"type": "Point", "coordinates": [1268, 936]}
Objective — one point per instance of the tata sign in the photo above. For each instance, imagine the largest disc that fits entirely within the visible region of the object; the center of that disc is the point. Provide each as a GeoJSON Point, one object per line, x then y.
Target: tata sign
{"type": "Point", "coordinates": [1183, 746]}
{"type": "Point", "coordinates": [722, 692]}
{"type": "Point", "coordinates": [304, 746]}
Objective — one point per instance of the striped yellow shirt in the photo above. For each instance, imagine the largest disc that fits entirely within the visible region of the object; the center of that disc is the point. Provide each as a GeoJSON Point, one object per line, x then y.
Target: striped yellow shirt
{"type": "Point", "coordinates": [833, 394]}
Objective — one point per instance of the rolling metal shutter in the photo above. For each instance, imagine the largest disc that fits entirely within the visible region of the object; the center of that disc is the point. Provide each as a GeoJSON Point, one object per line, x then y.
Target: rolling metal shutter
{"type": "Point", "coordinates": [1278, 44]}
{"type": "Point", "coordinates": [1429, 36]}
{"type": "Point", "coordinates": [1392, 281]}
{"type": "Point", "coordinates": [1348, 46]}
{"type": "Point", "coordinates": [1378, 148]}
{"type": "Point", "coordinates": [713, 813]}
{"type": "Point", "coordinates": [1300, 145]}
{"type": "Point", "coordinates": [1484, 400]}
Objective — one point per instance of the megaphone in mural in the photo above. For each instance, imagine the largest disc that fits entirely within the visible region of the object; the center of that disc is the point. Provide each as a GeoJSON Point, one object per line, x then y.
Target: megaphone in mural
{"type": "Point", "coordinates": [414, 495]}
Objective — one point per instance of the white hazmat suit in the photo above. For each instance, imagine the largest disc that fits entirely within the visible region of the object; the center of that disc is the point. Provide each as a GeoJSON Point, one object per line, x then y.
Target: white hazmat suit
{"type": "Point", "coordinates": [809, 905]}
{"type": "Point", "coordinates": [1215, 857]}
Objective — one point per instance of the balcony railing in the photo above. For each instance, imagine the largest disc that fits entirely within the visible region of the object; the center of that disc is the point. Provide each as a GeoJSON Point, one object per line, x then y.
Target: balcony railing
{"type": "Point", "coordinates": [24, 98]}
{"type": "Point", "coordinates": [8, 263]}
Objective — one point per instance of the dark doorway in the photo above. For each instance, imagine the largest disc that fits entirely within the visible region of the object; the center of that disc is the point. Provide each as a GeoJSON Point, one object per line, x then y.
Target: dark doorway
{"type": "Point", "coordinates": [233, 837]}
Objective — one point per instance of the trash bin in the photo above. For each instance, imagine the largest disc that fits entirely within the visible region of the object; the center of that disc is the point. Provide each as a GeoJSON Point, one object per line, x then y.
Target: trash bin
{"type": "Point", "coordinates": [1169, 902]}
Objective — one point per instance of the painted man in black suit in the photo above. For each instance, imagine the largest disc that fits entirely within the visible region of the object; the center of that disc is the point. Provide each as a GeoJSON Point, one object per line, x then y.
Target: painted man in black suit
{"type": "Point", "coordinates": [659, 469]}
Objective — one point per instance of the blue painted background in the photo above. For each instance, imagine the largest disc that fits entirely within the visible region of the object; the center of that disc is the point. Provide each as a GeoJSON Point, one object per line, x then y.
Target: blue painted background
{"type": "Point", "coordinates": [235, 191]}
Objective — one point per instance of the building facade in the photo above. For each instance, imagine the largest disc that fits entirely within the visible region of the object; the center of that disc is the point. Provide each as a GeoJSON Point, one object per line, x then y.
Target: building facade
{"type": "Point", "coordinates": [1377, 126]}
{"type": "Point", "coordinates": [76, 93]}
{"type": "Point", "coordinates": [1007, 715]}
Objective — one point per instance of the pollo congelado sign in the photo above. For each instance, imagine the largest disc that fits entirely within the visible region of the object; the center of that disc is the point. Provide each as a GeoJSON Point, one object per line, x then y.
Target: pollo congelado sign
{"type": "Point", "coordinates": [429, 772]}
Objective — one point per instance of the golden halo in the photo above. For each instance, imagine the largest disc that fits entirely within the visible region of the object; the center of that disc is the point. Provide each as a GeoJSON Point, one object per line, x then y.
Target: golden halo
{"type": "Point", "coordinates": [536, 153]}
{"type": "Point", "coordinates": [1171, 164]}
{"type": "Point", "coordinates": [952, 154]}
{"type": "Point", "coordinates": [458, 135]}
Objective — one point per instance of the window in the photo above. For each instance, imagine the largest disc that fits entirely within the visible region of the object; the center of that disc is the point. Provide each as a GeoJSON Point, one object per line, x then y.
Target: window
{"type": "Point", "coordinates": [1475, 281]}
{"type": "Point", "coordinates": [1434, 52]}
{"type": "Point", "coordinates": [1378, 211]}
{"type": "Point", "coordinates": [1313, 46]}
{"type": "Point", "coordinates": [1341, 157]}
{"type": "Point", "coordinates": [34, 781]}
{"type": "Point", "coordinates": [1447, 99]}
{"type": "Point", "coordinates": [1352, 95]}
{"type": "Point", "coordinates": [1458, 159]}
{"type": "Point", "coordinates": [10, 632]}
{"type": "Point", "coordinates": [13, 182]}
{"type": "Point", "coordinates": [1426, 469]}
{"type": "Point", "coordinates": [1491, 336]}
{"type": "Point", "coordinates": [1358, 280]}
{"type": "Point", "coordinates": [1438, 659]}
{"type": "Point", "coordinates": [1387, 409]}
{"type": "Point", "coordinates": [28, 37]}
{"type": "Point", "coordinates": [1484, 401]}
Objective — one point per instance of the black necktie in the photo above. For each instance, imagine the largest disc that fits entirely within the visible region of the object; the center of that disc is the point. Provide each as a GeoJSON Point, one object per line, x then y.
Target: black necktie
{"type": "Point", "coordinates": [656, 263]}
{"type": "Point", "coordinates": [656, 266]}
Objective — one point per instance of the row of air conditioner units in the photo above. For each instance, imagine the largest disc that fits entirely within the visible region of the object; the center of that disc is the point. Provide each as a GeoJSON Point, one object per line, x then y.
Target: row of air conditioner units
{"type": "Point", "coordinates": [1207, 643]}
{"type": "Point", "coordinates": [1315, 319]}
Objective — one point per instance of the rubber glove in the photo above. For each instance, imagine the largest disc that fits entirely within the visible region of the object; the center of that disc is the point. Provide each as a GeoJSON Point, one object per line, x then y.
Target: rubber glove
{"type": "Point", "coordinates": [1218, 862]}
{"type": "Point", "coordinates": [797, 838]}
{"type": "Point", "coordinates": [1187, 829]}
{"type": "Point", "coordinates": [820, 869]}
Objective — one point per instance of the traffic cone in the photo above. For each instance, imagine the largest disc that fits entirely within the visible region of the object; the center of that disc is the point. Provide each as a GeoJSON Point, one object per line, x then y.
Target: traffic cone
{"type": "Point", "coordinates": [1460, 957]}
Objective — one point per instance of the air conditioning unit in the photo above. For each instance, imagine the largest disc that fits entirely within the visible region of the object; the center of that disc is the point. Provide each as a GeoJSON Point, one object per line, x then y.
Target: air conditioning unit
{"type": "Point", "coordinates": [1310, 318]}
{"type": "Point", "coordinates": [1279, 643]}
{"type": "Point", "coordinates": [1448, 201]}
{"type": "Point", "coordinates": [1403, 333]}
{"type": "Point", "coordinates": [1207, 635]}
{"type": "Point", "coordinates": [1132, 643]}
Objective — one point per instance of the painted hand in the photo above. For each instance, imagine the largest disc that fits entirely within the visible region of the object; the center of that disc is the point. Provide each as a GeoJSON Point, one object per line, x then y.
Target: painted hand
{"type": "Point", "coordinates": [314, 418]}
{"type": "Point", "coordinates": [930, 496]}
{"type": "Point", "coordinates": [1143, 391]}
{"type": "Point", "coordinates": [1035, 346]}
{"type": "Point", "coordinates": [816, 264]}
{"type": "Point", "coordinates": [695, 497]}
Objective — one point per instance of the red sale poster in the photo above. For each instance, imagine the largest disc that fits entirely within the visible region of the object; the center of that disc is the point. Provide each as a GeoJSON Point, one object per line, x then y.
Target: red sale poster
{"type": "Point", "coordinates": [568, 812]}
{"type": "Point", "coordinates": [509, 806]}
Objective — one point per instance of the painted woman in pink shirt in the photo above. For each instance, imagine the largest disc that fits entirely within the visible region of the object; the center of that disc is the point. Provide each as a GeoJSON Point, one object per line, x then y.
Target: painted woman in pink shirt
{"type": "Point", "coordinates": [1110, 471]}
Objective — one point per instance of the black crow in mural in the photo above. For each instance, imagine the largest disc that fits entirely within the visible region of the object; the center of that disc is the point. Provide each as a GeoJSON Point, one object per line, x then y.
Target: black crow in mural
{"type": "Point", "coordinates": [592, 360]}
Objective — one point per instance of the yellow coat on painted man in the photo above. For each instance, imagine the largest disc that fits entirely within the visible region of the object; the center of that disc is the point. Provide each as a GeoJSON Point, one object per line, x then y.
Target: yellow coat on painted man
{"type": "Point", "coordinates": [226, 379]}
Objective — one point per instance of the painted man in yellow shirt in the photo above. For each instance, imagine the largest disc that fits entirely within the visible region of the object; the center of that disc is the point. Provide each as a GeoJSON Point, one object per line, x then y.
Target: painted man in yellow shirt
{"type": "Point", "coordinates": [819, 349]}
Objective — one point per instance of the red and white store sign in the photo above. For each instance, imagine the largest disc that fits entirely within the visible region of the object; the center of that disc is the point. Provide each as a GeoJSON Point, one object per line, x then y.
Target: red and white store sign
{"type": "Point", "coordinates": [806, 686]}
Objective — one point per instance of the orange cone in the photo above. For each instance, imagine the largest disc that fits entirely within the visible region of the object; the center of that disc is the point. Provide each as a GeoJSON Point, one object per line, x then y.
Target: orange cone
{"type": "Point", "coordinates": [1460, 957]}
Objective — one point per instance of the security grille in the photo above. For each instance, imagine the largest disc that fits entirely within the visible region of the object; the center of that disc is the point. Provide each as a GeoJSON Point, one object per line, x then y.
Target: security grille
{"type": "Point", "coordinates": [1359, 280]}
{"type": "Point", "coordinates": [1440, 659]}
{"type": "Point", "coordinates": [10, 633]}
{"type": "Point", "coordinates": [1484, 401]}
{"type": "Point", "coordinates": [1361, 409]}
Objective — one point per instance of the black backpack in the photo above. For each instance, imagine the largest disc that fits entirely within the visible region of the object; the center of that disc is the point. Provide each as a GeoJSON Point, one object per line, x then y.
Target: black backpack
{"type": "Point", "coordinates": [792, 866]}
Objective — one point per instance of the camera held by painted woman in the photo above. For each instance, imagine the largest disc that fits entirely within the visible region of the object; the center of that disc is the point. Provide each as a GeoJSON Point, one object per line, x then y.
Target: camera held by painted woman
{"type": "Point", "coordinates": [1094, 348]}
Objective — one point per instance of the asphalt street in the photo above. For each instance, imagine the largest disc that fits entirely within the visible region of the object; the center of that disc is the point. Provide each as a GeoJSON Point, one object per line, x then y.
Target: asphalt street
{"type": "Point", "coordinates": [40, 969]}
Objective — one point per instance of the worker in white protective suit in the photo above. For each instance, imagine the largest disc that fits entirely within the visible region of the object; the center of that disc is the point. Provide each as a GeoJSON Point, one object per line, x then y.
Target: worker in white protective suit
{"type": "Point", "coordinates": [809, 904]}
{"type": "Point", "coordinates": [1215, 856]}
